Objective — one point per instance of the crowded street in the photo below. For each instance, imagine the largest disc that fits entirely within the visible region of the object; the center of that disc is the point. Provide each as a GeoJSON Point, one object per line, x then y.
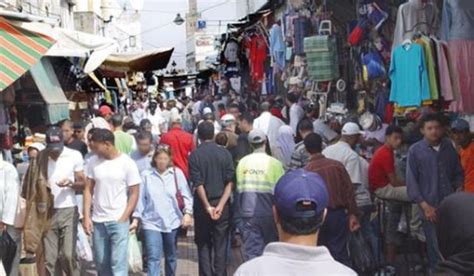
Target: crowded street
{"type": "Point", "coordinates": [236, 137]}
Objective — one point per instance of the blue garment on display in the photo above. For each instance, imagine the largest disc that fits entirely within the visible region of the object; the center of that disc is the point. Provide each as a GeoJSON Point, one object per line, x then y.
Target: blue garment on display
{"type": "Point", "coordinates": [409, 76]}
{"type": "Point", "coordinates": [277, 45]}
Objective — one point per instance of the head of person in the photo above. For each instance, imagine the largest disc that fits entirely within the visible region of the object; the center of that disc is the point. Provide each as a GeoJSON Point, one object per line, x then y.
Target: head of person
{"type": "Point", "coordinates": [305, 127]}
{"type": "Point", "coordinates": [265, 107]}
{"type": "Point", "coordinates": [54, 142]}
{"type": "Point", "coordinates": [234, 110]}
{"type": "Point", "coordinates": [34, 149]}
{"type": "Point", "coordinates": [209, 117]}
{"type": "Point", "coordinates": [176, 121]}
{"type": "Point", "coordinates": [257, 139]}
{"type": "Point", "coordinates": [455, 232]}
{"type": "Point", "coordinates": [460, 133]}
{"type": "Point", "coordinates": [105, 112]}
{"type": "Point", "coordinates": [313, 143]}
{"type": "Point", "coordinates": [117, 121]}
{"type": "Point", "coordinates": [68, 131]}
{"type": "Point", "coordinates": [152, 107]}
{"type": "Point", "coordinates": [162, 158]}
{"type": "Point", "coordinates": [394, 137]}
{"type": "Point", "coordinates": [79, 130]}
{"type": "Point", "coordinates": [292, 98]}
{"type": "Point", "coordinates": [299, 209]}
{"type": "Point", "coordinates": [170, 104]}
{"type": "Point", "coordinates": [221, 139]}
{"type": "Point", "coordinates": [206, 131]}
{"type": "Point", "coordinates": [431, 126]}
{"type": "Point", "coordinates": [246, 122]}
{"type": "Point", "coordinates": [351, 133]}
{"type": "Point", "coordinates": [144, 142]}
{"type": "Point", "coordinates": [102, 142]}
{"type": "Point", "coordinates": [229, 122]}
{"type": "Point", "coordinates": [145, 125]}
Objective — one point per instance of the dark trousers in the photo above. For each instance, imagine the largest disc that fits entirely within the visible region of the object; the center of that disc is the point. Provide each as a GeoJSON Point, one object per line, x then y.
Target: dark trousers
{"type": "Point", "coordinates": [334, 234]}
{"type": "Point", "coordinates": [211, 238]}
{"type": "Point", "coordinates": [257, 232]}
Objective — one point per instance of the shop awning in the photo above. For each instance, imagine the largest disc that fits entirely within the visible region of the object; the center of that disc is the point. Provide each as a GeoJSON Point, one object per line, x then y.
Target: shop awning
{"type": "Point", "coordinates": [92, 49]}
{"type": "Point", "coordinates": [19, 50]}
{"type": "Point", "coordinates": [149, 60]}
{"type": "Point", "coordinates": [48, 85]}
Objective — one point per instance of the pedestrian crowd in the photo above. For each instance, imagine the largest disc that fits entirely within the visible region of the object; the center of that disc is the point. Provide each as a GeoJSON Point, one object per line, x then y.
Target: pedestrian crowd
{"type": "Point", "coordinates": [294, 189]}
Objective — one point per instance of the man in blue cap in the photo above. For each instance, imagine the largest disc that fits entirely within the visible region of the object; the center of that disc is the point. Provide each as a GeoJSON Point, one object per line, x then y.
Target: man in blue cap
{"type": "Point", "coordinates": [300, 202]}
{"type": "Point", "coordinates": [462, 137]}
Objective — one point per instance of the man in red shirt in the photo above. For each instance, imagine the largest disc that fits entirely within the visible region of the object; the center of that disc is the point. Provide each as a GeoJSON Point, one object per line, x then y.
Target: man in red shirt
{"type": "Point", "coordinates": [180, 142]}
{"type": "Point", "coordinates": [383, 180]}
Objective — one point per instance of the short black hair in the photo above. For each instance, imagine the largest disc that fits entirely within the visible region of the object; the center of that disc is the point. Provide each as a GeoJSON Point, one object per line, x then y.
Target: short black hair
{"type": "Point", "coordinates": [301, 226]}
{"type": "Point", "coordinates": [65, 122]}
{"type": "Point", "coordinates": [248, 117]}
{"type": "Point", "coordinates": [117, 120]}
{"type": "Point", "coordinates": [144, 135]}
{"type": "Point", "coordinates": [221, 139]}
{"type": "Point", "coordinates": [92, 131]}
{"type": "Point", "coordinates": [305, 125]}
{"type": "Point", "coordinates": [313, 143]}
{"type": "Point", "coordinates": [103, 135]}
{"type": "Point", "coordinates": [206, 131]}
{"type": "Point", "coordinates": [233, 105]}
{"type": "Point", "coordinates": [393, 129]}
{"type": "Point", "coordinates": [144, 123]}
{"type": "Point", "coordinates": [293, 98]}
{"type": "Point", "coordinates": [431, 117]}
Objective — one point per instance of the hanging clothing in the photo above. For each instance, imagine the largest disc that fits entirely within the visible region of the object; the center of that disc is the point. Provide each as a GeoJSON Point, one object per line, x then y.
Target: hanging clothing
{"type": "Point", "coordinates": [457, 20]}
{"type": "Point", "coordinates": [430, 66]}
{"type": "Point", "coordinates": [257, 56]}
{"type": "Point", "coordinates": [414, 17]}
{"type": "Point", "coordinates": [277, 46]}
{"type": "Point", "coordinates": [444, 74]}
{"type": "Point", "coordinates": [462, 52]}
{"type": "Point", "coordinates": [300, 25]}
{"type": "Point", "coordinates": [409, 76]}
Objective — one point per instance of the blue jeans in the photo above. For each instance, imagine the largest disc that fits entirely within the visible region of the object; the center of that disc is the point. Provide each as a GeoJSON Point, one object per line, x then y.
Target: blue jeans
{"type": "Point", "coordinates": [157, 242]}
{"type": "Point", "coordinates": [257, 232]}
{"type": "Point", "coordinates": [431, 244]}
{"type": "Point", "coordinates": [111, 248]}
{"type": "Point", "coordinates": [368, 231]}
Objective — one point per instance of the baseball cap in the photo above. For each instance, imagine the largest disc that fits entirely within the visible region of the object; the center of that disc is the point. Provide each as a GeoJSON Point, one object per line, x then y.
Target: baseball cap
{"type": "Point", "coordinates": [300, 188]}
{"type": "Point", "coordinates": [227, 118]}
{"type": "Point", "coordinates": [460, 125]}
{"type": "Point", "coordinates": [351, 129]}
{"type": "Point", "coordinates": [105, 110]}
{"type": "Point", "coordinates": [38, 146]}
{"type": "Point", "coordinates": [54, 139]}
{"type": "Point", "coordinates": [257, 136]}
{"type": "Point", "coordinates": [206, 110]}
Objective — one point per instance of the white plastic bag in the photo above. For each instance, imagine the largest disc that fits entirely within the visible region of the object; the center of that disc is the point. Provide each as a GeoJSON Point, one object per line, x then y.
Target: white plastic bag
{"type": "Point", "coordinates": [2, 270]}
{"type": "Point", "coordinates": [135, 262]}
{"type": "Point", "coordinates": [83, 248]}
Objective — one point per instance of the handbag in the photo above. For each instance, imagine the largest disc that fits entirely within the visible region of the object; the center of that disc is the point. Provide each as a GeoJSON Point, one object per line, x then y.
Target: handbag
{"type": "Point", "coordinates": [179, 195]}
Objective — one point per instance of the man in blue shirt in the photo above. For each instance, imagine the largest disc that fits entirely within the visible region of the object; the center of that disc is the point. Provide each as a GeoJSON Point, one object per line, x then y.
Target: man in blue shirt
{"type": "Point", "coordinates": [433, 172]}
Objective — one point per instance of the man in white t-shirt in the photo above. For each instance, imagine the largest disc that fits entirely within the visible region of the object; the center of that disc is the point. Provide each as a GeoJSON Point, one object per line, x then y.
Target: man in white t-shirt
{"type": "Point", "coordinates": [65, 175]}
{"type": "Point", "coordinates": [112, 191]}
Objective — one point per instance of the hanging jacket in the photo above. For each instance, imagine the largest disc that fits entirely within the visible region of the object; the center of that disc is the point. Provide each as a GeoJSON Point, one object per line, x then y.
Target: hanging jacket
{"type": "Point", "coordinates": [39, 202]}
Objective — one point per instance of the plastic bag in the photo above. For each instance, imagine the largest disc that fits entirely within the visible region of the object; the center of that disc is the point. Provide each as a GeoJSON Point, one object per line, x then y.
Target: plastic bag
{"type": "Point", "coordinates": [361, 255]}
{"type": "Point", "coordinates": [7, 251]}
{"type": "Point", "coordinates": [135, 262]}
{"type": "Point", "coordinates": [83, 248]}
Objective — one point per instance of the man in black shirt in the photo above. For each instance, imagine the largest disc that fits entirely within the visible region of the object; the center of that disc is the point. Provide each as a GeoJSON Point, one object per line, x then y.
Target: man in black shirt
{"type": "Point", "coordinates": [69, 140]}
{"type": "Point", "coordinates": [243, 146]}
{"type": "Point", "coordinates": [211, 171]}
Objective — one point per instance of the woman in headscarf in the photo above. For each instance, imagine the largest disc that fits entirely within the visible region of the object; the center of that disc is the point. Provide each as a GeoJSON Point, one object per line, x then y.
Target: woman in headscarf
{"type": "Point", "coordinates": [285, 145]}
{"type": "Point", "coordinates": [455, 230]}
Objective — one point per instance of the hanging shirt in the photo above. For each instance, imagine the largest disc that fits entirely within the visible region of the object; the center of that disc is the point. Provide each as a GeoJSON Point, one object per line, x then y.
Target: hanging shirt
{"type": "Point", "coordinates": [430, 65]}
{"type": "Point", "coordinates": [457, 20]}
{"type": "Point", "coordinates": [409, 76]}
{"type": "Point", "coordinates": [258, 54]}
{"type": "Point", "coordinates": [445, 82]}
{"type": "Point", "coordinates": [277, 45]}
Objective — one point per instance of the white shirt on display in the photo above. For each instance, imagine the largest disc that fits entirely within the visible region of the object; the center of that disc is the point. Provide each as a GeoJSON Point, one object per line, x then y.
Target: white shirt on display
{"type": "Point", "coordinates": [69, 162]}
{"type": "Point", "coordinates": [112, 180]}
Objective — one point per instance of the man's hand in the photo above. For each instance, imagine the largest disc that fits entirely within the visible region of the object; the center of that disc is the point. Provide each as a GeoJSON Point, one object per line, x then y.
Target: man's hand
{"type": "Point", "coordinates": [133, 227]}
{"type": "Point", "coordinates": [187, 221]}
{"type": "Point", "coordinates": [218, 212]}
{"type": "Point", "coordinates": [429, 211]}
{"type": "Point", "coordinates": [354, 224]}
{"type": "Point", "coordinates": [64, 183]}
{"type": "Point", "coordinates": [210, 211]}
{"type": "Point", "coordinates": [87, 225]}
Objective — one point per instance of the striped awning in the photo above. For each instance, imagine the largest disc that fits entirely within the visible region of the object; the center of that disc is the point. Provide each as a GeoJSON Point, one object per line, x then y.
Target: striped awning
{"type": "Point", "coordinates": [19, 50]}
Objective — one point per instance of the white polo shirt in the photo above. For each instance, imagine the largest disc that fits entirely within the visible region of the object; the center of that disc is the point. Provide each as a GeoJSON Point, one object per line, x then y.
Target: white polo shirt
{"type": "Point", "coordinates": [112, 180]}
{"type": "Point", "coordinates": [69, 162]}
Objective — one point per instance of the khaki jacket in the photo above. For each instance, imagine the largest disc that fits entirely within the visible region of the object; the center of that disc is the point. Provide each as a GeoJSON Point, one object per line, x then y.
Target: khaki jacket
{"type": "Point", "coordinates": [39, 202]}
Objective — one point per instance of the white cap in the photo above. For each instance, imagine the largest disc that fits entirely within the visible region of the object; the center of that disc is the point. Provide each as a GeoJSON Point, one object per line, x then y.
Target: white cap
{"type": "Point", "coordinates": [227, 118]}
{"type": "Point", "coordinates": [37, 146]}
{"type": "Point", "coordinates": [351, 129]}
{"type": "Point", "coordinates": [206, 110]}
